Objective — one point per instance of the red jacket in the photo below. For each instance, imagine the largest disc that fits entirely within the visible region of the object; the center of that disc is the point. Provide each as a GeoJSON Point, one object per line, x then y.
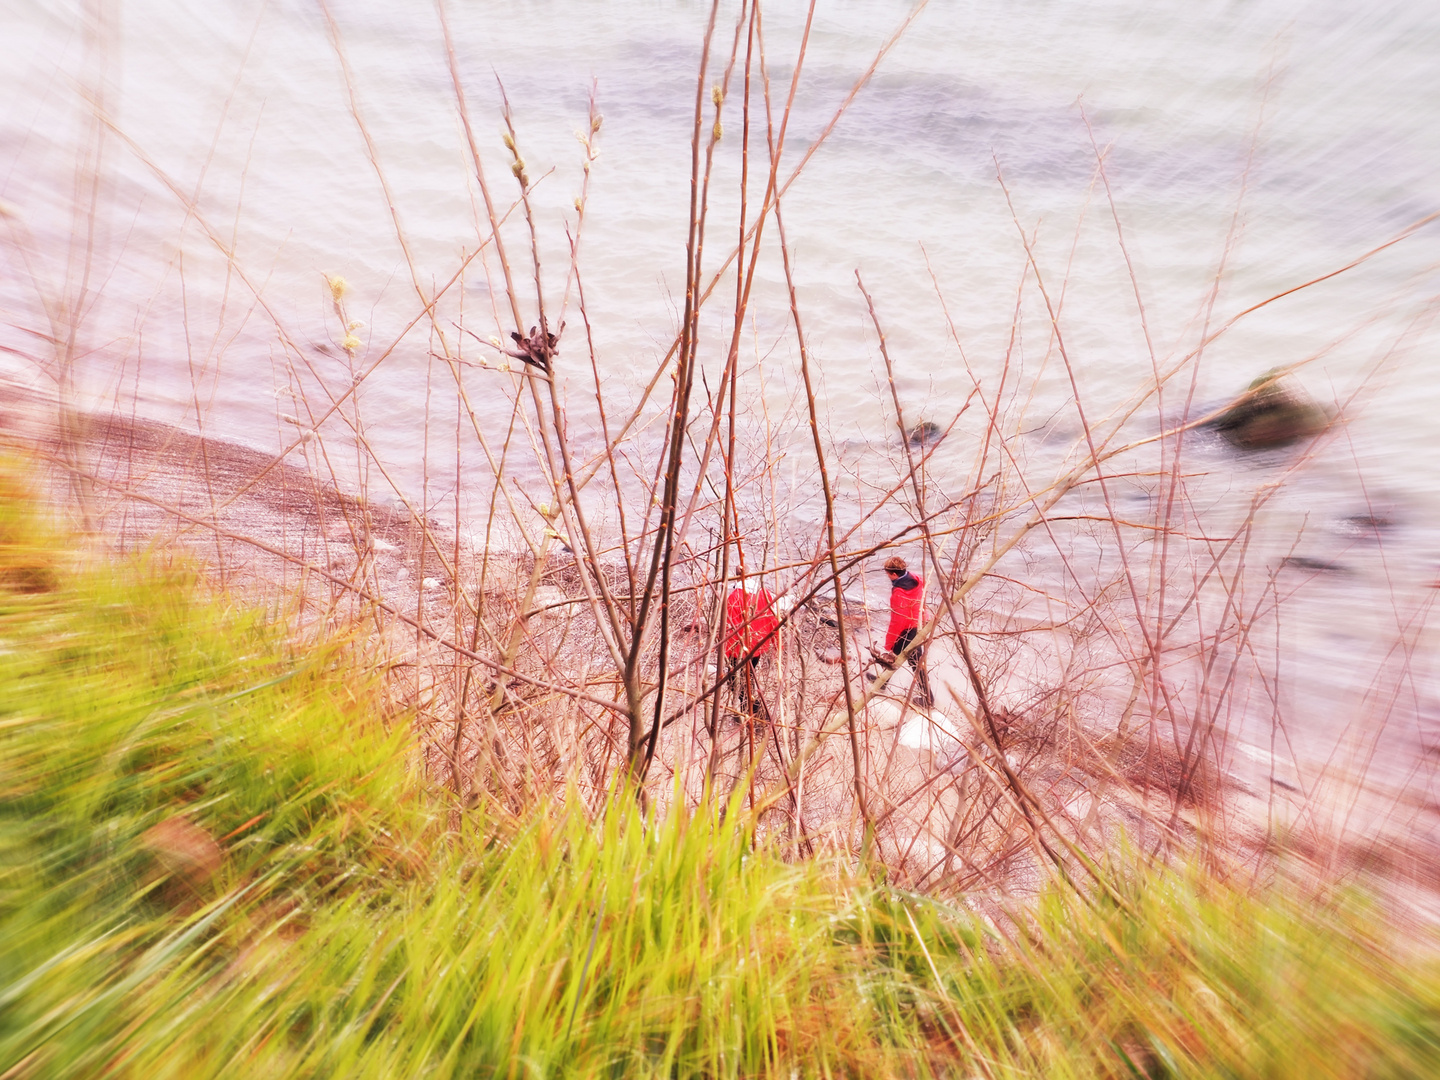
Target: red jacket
{"type": "Point", "coordinates": [750, 625]}
{"type": "Point", "coordinates": [907, 607]}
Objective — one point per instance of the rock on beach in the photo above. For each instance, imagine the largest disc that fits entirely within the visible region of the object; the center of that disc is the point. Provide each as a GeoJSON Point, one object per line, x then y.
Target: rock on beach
{"type": "Point", "coordinates": [1273, 412]}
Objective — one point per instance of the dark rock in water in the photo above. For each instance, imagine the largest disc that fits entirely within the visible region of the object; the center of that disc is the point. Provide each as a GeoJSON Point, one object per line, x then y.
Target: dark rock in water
{"type": "Point", "coordinates": [1273, 412]}
{"type": "Point", "coordinates": [1364, 526]}
{"type": "Point", "coordinates": [923, 432]}
{"type": "Point", "coordinates": [1304, 562]}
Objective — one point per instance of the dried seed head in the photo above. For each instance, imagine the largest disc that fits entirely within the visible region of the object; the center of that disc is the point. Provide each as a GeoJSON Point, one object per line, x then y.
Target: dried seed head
{"type": "Point", "coordinates": [718, 131]}
{"type": "Point", "coordinates": [338, 286]}
{"type": "Point", "coordinates": [717, 95]}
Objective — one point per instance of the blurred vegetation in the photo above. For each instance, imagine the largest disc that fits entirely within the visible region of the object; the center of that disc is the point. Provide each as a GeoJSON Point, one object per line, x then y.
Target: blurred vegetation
{"type": "Point", "coordinates": [219, 859]}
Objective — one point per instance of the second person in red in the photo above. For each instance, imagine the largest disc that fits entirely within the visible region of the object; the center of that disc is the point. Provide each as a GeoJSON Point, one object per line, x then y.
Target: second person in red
{"type": "Point", "coordinates": [907, 612]}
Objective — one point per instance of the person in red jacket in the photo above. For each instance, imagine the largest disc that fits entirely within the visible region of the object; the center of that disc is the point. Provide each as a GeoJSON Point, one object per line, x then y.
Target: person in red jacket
{"type": "Point", "coordinates": [907, 612]}
{"type": "Point", "coordinates": [750, 633]}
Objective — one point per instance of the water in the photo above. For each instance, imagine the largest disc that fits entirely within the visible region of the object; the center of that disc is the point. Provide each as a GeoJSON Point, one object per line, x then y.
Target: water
{"type": "Point", "coordinates": [1319, 123]}
{"type": "Point", "coordinates": [1346, 157]}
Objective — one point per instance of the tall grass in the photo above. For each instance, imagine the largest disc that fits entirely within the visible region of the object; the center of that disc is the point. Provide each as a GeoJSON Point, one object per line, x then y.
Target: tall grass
{"type": "Point", "coordinates": [220, 860]}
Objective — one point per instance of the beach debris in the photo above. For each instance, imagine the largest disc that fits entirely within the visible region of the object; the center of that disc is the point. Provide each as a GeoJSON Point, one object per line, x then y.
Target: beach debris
{"type": "Point", "coordinates": [183, 852]}
{"type": "Point", "coordinates": [918, 730]}
{"type": "Point", "coordinates": [1273, 412]}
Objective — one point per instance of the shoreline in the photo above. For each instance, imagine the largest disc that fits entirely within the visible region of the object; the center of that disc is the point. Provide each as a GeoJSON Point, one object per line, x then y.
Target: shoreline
{"type": "Point", "coordinates": [154, 482]}
{"type": "Point", "coordinates": [274, 531]}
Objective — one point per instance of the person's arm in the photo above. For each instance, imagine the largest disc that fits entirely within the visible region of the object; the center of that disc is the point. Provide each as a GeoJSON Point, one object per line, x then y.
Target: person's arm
{"type": "Point", "coordinates": [897, 621]}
